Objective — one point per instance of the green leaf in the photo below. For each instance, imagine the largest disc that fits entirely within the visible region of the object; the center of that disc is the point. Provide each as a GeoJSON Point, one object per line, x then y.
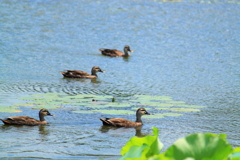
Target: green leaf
{"type": "Point", "coordinates": [236, 154]}
{"type": "Point", "coordinates": [142, 147]}
{"type": "Point", "coordinates": [200, 146]}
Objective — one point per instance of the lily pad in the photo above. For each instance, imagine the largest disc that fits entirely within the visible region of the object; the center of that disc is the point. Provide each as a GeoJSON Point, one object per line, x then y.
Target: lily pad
{"type": "Point", "coordinates": [136, 108]}
{"type": "Point", "coordinates": [9, 109]}
{"type": "Point", "coordinates": [156, 98]}
{"type": "Point", "coordinates": [176, 102]}
{"type": "Point", "coordinates": [113, 112]}
{"type": "Point", "coordinates": [86, 101]}
{"type": "Point", "coordinates": [164, 105]}
{"type": "Point", "coordinates": [180, 109]}
{"type": "Point", "coordinates": [83, 111]}
{"type": "Point", "coordinates": [23, 104]}
{"type": "Point", "coordinates": [191, 106]}
{"type": "Point", "coordinates": [46, 106]}
{"type": "Point", "coordinates": [162, 115]}
{"type": "Point", "coordinates": [115, 104]}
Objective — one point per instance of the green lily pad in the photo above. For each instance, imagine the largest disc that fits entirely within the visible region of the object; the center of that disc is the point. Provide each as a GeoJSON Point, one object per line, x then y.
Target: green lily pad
{"type": "Point", "coordinates": [9, 109]}
{"type": "Point", "coordinates": [83, 111]}
{"type": "Point", "coordinates": [46, 106]}
{"type": "Point", "coordinates": [180, 109]}
{"type": "Point", "coordinates": [115, 104]}
{"type": "Point", "coordinates": [157, 98]}
{"type": "Point", "coordinates": [49, 95]}
{"type": "Point", "coordinates": [30, 98]}
{"type": "Point", "coordinates": [113, 112]}
{"type": "Point", "coordinates": [86, 101]}
{"type": "Point", "coordinates": [23, 104]}
{"type": "Point", "coordinates": [116, 112]}
{"type": "Point", "coordinates": [162, 115]}
{"type": "Point", "coordinates": [136, 108]}
{"type": "Point", "coordinates": [185, 109]}
{"type": "Point", "coordinates": [191, 106]}
{"type": "Point", "coordinates": [176, 102]}
{"type": "Point", "coordinates": [164, 105]}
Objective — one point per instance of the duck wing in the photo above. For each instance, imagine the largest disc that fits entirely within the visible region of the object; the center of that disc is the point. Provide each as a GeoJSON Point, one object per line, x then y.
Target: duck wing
{"type": "Point", "coordinates": [111, 52]}
{"type": "Point", "coordinates": [21, 120]}
{"type": "Point", "coordinates": [76, 74]}
{"type": "Point", "coordinates": [119, 122]}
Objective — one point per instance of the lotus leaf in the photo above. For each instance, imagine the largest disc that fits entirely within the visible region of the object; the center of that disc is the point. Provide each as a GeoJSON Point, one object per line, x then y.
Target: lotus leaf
{"type": "Point", "coordinates": [236, 154]}
{"type": "Point", "coordinates": [200, 146]}
{"type": "Point", "coordinates": [142, 148]}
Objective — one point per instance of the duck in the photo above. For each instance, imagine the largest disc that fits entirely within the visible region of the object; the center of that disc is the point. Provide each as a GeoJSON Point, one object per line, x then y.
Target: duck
{"type": "Point", "coordinates": [28, 121]}
{"type": "Point", "coordinates": [119, 122]}
{"type": "Point", "coordinates": [82, 74]}
{"type": "Point", "coordinates": [116, 53]}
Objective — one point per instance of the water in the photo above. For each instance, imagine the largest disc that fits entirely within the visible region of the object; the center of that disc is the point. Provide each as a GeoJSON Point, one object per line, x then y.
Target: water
{"type": "Point", "coordinates": [188, 50]}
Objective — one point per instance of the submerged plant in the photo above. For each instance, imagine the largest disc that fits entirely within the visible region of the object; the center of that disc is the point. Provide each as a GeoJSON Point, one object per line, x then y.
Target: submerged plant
{"type": "Point", "coordinates": [197, 146]}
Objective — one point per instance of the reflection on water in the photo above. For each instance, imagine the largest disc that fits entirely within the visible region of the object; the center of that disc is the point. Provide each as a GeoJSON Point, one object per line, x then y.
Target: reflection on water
{"type": "Point", "coordinates": [187, 50]}
{"type": "Point", "coordinates": [138, 133]}
{"type": "Point", "coordinates": [43, 130]}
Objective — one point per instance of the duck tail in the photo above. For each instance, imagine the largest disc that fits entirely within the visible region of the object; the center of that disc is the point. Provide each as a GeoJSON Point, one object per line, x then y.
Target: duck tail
{"type": "Point", "coordinates": [62, 72]}
{"type": "Point", "coordinates": [4, 121]}
{"type": "Point", "coordinates": [101, 49]}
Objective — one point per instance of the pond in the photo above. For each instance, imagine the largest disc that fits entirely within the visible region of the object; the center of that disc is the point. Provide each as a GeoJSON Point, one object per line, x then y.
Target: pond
{"type": "Point", "coordinates": [185, 69]}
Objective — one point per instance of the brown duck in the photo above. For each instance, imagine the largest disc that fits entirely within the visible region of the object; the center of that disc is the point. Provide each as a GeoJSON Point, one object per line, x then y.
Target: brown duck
{"type": "Point", "coordinates": [82, 74]}
{"type": "Point", "coordinates": [25, 120]}
{"type": "Point", "coordinates": [116, 53]}
{"type": "Point", "coordinates": [119, 122]}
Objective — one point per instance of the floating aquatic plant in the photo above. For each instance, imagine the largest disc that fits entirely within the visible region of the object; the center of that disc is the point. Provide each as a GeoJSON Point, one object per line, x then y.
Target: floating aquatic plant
{"type": "Point", "coordinates": [9, 109]}
{"type": "Point", "coordinates": [90, 103]}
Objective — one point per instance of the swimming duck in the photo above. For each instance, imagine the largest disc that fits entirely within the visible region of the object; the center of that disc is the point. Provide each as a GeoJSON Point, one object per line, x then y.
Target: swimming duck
{"type": "Point", "coordinates": [82, 74]}
{"type": "Point", "coordinates": [116, 53]}
{"type": "Point", "coordinates": [25, 120]}
{"type": "Point", "coordinates": [119, 122]}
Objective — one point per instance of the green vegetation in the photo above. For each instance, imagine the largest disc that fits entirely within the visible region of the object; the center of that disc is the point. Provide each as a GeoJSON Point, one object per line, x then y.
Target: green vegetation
{"type": "Point", "coordinates": [197, 146]}
{"type": "Point", "coordinates": [89, 103]}
{"type": "Point", "coordinates": [9, 109]}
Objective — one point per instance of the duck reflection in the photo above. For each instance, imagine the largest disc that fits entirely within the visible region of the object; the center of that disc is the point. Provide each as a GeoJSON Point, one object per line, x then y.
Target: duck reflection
{"type": "Point", "coordinates": [138, 130]}
{"type": "Point", "coordinates": [42, 130]}
{"type": "Point", "coordinates": [126, 59]}
{"type": "Point", "coordinates": [8, 127]}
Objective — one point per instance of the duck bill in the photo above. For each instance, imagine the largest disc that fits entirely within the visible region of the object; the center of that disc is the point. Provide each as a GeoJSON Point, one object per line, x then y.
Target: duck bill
{"type": "Point", "coordinates": [49, 114]}
{"type": "Point", "coordinates": [131, 51]}
{"type": "Point", "coordinates": [148, 113]}
{"type": "Point", "coordinates": [102, 71]}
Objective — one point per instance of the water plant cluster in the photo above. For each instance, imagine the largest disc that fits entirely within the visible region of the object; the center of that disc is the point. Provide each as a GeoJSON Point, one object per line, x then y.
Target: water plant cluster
{"type": "Point", "coordinates": [89, 103]}
{"type": "Point", "coordinates": [197, 146]}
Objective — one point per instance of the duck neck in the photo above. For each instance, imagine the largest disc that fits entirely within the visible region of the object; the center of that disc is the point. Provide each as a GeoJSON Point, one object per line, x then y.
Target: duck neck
{"type": "Point", "coordinates": [94, 73]}
{"type": "Point", "coordinates": [41, 117]}
{"type": "Point", "coordinates": [138, 118]}
{"type": "Point", "coordinates": [126, 52]}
